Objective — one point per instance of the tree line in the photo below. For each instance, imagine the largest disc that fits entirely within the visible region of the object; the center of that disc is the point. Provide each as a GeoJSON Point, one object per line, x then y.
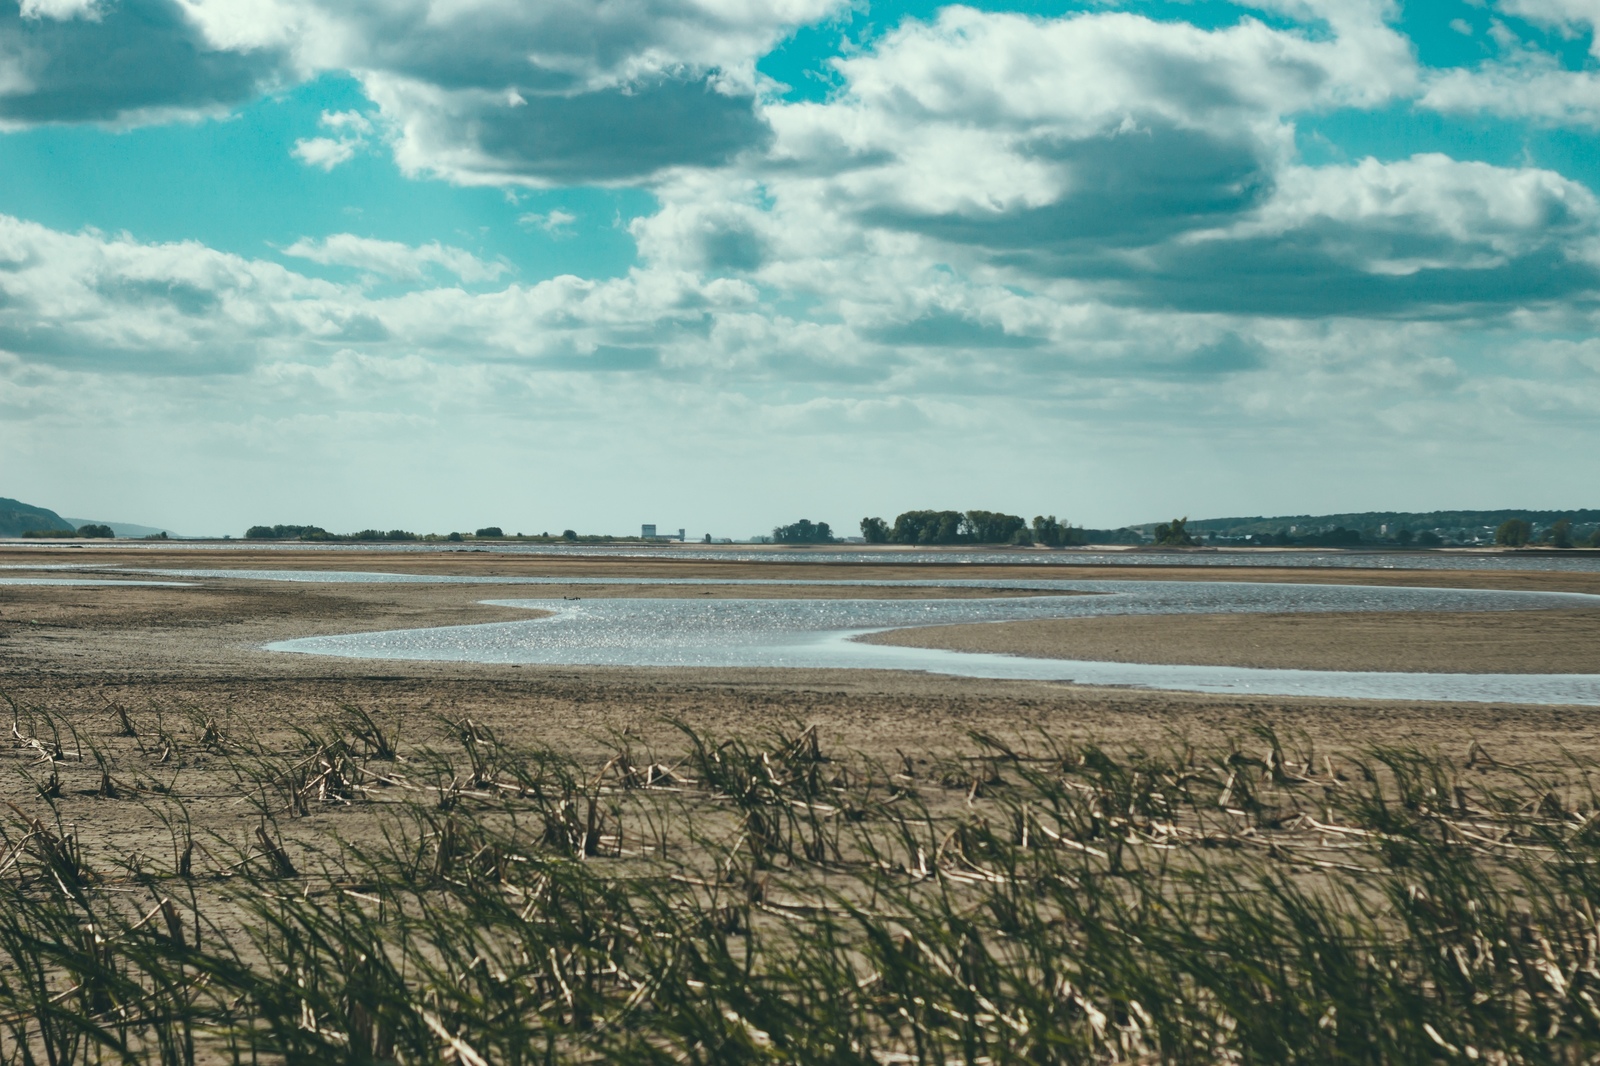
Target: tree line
{"type": "Point", "coordinates": [1518, 533]}
{"type": "Point", "coordinates": [942, 527]}
{"type": "Point", "coordinates": [317, 533]}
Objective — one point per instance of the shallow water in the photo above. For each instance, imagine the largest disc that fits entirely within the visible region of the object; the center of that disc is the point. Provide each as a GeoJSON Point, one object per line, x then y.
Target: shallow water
{"type": "Point", "coordinates": [815, 634]}
{"type": "Point", "coordinates": [1140, 597]}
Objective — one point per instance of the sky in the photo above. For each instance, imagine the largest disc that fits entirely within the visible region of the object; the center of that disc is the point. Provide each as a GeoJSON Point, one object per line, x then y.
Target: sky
{"type": "Point", "coordinates": [722, 264]}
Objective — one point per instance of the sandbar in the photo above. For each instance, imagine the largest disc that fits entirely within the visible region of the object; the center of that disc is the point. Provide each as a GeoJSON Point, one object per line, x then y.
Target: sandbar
{"type": "Point", "coordinates": [1489, 642]}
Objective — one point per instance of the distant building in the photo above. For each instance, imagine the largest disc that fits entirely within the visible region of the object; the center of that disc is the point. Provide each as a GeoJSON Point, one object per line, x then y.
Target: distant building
{"type": "Point", "coordinates": [648, 532]}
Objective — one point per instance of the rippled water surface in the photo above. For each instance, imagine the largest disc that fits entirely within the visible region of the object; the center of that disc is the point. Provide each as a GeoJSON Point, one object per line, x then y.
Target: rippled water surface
{"type": "Point", "coordinates": [815, 634]}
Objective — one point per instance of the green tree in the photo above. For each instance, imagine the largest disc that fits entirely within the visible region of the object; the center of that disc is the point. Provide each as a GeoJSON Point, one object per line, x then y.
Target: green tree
{"type": "Point", "coordinates": [490, 531]}
{"type": "Point", "coordinates": [993, 527]}
{"type": "Point", "coordinates": [875, 531]}
{"type": "Point", "coordinates": [803, 532]}
{"type": "Point", "coordinates": [1052, 533]}
{"type": "Point", "coordinates": [1560, 534]}
{"type": "Point", "coordinates": [96, 530]}
{"type": "Point", "coordinates": [569, 534]}
{"type": "Point", "coordinates": [928, 527]}
{"type": "Point", "coordinates": [1513, 533]}
{"type": "Point", "coordinates": [1174, 534]}
{"type": "Point", "coordinates": [282, 532]}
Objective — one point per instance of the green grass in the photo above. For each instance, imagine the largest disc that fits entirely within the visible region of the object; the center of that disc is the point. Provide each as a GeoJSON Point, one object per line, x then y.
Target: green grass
{"type": "Point", "coordinates": [438, 895]}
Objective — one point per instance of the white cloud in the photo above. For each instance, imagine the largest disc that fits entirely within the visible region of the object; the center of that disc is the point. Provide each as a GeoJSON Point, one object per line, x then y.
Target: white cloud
{"type": "Point", "coordinates": [324, 152]}
{"type": "Point", "coordinates": [349, 123]}
{"type": "Point", "coordinates": [393, 259]}
{"type": "Point", "coordinates": [981, 117]}
{"type": "Point", "coordinates": [1429, 212]}
{"type": "Point", "coordinates": [1523, 81]}
{"type": "Point", "coordinates": [1083, 74]}
{"type": "Point", "coordinates": [350, 129]}
{"type": "Point", "coordinates": [955, 381]}
{"type": "Point", "coordinates": [1113, 157]}
{"type": "Point", "coordinates": [60, 9]}
{"type": "Point", "coordinates": [1535, 90]}
{"type": "Point", "coordinates": [1001, 244]}
{"type": "Point", "coordinates": [1571, 16]}
{"type": "Point", "coordinates": [554, 222]}
{"type": "Point", "coordinates": [122, 63]}
{"type": "Point", "coordinates": [474, 92]}
{"type": "Point", "coordinates": [562, 90]}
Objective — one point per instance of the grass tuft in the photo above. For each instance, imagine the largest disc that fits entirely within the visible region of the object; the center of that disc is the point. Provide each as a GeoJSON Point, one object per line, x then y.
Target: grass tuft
{"type": "Point", "coordinates": [454, 897]}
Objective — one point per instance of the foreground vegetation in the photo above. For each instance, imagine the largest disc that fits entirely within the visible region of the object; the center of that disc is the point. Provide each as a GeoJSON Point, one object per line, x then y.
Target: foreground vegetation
{"type": "Point", "coordinates": [176, 889]}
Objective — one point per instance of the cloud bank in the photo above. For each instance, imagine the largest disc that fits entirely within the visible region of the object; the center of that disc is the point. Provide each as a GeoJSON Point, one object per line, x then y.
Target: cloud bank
{"type": "Point", "coordinates": [994, 231]}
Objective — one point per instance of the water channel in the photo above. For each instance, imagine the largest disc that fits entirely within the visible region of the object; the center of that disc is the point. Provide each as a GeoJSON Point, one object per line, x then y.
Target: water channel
{"type": "Point", "coordinates": [817, 634]}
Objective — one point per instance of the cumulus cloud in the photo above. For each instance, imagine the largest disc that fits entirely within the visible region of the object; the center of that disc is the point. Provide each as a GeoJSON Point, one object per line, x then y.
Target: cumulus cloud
{"type": "Point", "coordinates": [1428, 235]}
{"type": "Point", "coordinates": [559, 91]}
{"type": "Point", "coordinates": [349, 129]}
{"type": "Point", "coordinates": [495, 136]}
{"type": "Point", "coordinates": [925, 365]}
{"type": "Point", "coordinates": [1015, 238]}
{"type": "Point", "coordinates": [393, 259]}
{"type": "Point", "coordinates": [60, 9]}
{"type": "Point", "coordinates": [1121, 159]}
{"type": "Point", "coordinates": [324, 152]}
{"type": "Point", "coordinates": [1571, 16]}
{"type": "Point", "coordinates": [113, 303]}
{"type": "Point", "coordinates": [1523, 81]}
{"type": "Point", "coordinates": [554, 222]}
{"type": "Point", "coordinates": [1537, 90]}
{"type": "Point", "coordinates": [545, 93]}
{"type": "Point", "coordinates": [1002, 130]}
{"type": "Point", "coordinates": [132, 61]}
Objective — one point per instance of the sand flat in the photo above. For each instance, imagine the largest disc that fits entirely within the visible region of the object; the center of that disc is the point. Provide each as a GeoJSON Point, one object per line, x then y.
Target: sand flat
{"type": "Point", "coordinates": [1489, 642]}
{"type": "Point", "coordinates": [198, 652]}
{"type": "Point", "coordinates": [873, 567]}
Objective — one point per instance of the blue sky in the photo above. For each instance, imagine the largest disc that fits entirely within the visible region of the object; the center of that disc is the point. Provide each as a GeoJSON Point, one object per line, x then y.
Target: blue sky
{"type": "Point", "coordinates": [718, 264]}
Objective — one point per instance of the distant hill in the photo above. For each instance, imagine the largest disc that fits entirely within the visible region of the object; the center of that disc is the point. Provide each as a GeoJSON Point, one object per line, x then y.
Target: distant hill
{"type": "Point", "coordinates": [1444, 522]}
{"type": "Point", "coordinates": [122, 529]}
{"type": "Point", "coordinates": [17, 518]}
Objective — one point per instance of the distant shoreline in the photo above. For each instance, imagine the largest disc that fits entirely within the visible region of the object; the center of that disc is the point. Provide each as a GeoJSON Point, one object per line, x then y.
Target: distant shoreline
{"type": "Point", "coordinates": [577, 548]}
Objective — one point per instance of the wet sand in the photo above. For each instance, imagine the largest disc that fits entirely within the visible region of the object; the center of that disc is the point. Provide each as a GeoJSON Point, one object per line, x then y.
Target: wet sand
{"type": "Point", "coordinates": [873, 567]}
{"type": "Point", "coordinates": [1497, 642]}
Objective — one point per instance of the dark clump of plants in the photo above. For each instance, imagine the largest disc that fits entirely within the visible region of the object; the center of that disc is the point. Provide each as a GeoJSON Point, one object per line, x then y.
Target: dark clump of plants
{"type": "Point", "coordinates": [443, 895]}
